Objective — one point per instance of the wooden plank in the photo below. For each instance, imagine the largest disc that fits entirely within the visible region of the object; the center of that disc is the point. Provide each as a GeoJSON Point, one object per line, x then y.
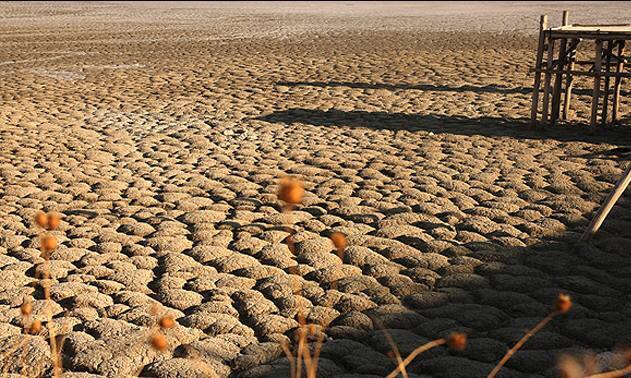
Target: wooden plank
{"type": "Point", "coordinates": [617, 83]}
{"type": "Point", "coordinates": [609, 203]}
{"type": "Point", "coordinates": [569, 80]}
{"type": "Point", "coordinates": [548, 78]}
{"type": "Point", "coordinates": [562, 61]}
{"type": "Point", "coordinates": [588, 35]}
{"type": "Point", "coordinates": [596, 93]}
{"type": "Point", "coordinates": [556, 93]}
{"type": "Point", "coordinates": [608, 52]}
{"type": "Point", "coordinates": [543, 24]}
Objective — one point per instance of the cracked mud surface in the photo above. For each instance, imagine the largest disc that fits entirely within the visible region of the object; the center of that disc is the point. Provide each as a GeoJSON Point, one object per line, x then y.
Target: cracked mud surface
{"type": "Point", "coordinates": [160, 136]}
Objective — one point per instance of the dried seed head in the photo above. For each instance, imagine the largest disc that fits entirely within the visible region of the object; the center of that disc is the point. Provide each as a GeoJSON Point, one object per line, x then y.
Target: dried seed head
{"type": "Point", "coordinates": [312, 329]}
{"type": "Point", "coordinates": [291, 191]}
{"type": "Point", "coordinates": [159, 342]}
{"type": "Point", "coordinates": [570, 367]}
{"type": "Point", "coordinates": [26, 309]}
{"type": "Point", "coordinates": [48, 243]}
{"type": "Point", "coordinates": [563, 303]}
{"type": "Point", "coordinates": [35, 327]}
{"type": "Point", "coordinates": [457, 341]}
{"type": "Point", "coordinates": [166, 322]}
{"type": "Point", "coordinates": [53, 221]}
{"type": "Point", "coordinates": [339, 241]}
{"type": "Point", "coordinates": [41, 219]}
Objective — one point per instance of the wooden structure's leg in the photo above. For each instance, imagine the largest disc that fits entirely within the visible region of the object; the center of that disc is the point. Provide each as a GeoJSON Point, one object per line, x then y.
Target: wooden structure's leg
{"type": "Point", "coordinates": [609, 203]}
{"type": "Point", "coordinates": [548, 78]}
{"type": "Point", "coordinates": [569, 79]}
{"type": "Point", "coordinates": [596, 92]}
{"type": "Point", "coordinates": [556, 94]}
{"type": "Point", "coordinates": [543, 25]}
{"type": "Point", "coordinates": [566, 18]}
{"type": "Point", "coordinates": [617, 83]}
{"type": "Point", "coordinates": [605, 114]}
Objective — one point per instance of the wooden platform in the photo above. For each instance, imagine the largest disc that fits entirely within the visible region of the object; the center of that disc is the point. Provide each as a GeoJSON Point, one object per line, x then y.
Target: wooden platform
{"type": "Point", "coordinates": [559, 66]}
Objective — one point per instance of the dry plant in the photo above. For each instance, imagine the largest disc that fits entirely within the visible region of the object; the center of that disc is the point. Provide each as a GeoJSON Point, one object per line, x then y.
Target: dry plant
{"type": "Point", "coordinates": [48, 243]}
{"type": "Point", "coordinates": [156, 336]}
{"type": "Point", "coordinates": [291, 193]}
{"type": "Point", "coordinates": [562, 306]}
{"type": "Point", "coordinates": [456, 341]}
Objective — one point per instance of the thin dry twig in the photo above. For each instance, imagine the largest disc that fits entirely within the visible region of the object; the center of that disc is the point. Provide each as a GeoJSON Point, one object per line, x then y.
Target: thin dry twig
{"type": "Point", "coordinates": [562, 306]}
{"type": "Point", "coordinates": [520, 343]}
{"type": "Point", "coordinates": [614, 373]}
{"type": "Point", "coordinates": [412, 356]}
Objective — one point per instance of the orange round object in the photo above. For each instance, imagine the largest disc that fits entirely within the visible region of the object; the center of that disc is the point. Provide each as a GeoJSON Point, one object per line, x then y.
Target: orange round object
{"type": "Point", "coordinates": [159, 342]}
{"type": "Point", "coordinates": [563, 303]}
{"type": "Point", "coordinates": [166, 322]}
{"type": "Point", "coordinates": [41, 219]}
{"type": "Point", "coordinates": [35, 327]}
{"type": "Point", "coordinates": [457, 341]}
{"type": "Point", "coordinates": [26, 309]}
{"type": "Point", "coordinates": [339, 240]}
{"type": "Point", "coordinates": [53, 221]}
{"type": "Point", "coordinates": [291, 191]}
{"type": "Point", "coordinates": [48, 243]}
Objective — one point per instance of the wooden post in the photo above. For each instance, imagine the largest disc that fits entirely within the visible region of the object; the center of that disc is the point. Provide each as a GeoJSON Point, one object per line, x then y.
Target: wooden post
{"type": "Point", "coordinates": [546, 83]}
{"type": "Point", "coordinates": [608, 52]}
{"type": "Point", "coordinates": [609, 203]}
{"type": "Point", "coordinates": [569, 79]}
{"type": "Point", "coordinates": [617, 83]}
{"type": "Point", "coordinates": [543, 24]}
{"type": "Point", "coordinates": [556, 96]}
{"type": "Point", "coordinates": [566, 18]}
{"type": "Point", "coordinates": [596, 92]}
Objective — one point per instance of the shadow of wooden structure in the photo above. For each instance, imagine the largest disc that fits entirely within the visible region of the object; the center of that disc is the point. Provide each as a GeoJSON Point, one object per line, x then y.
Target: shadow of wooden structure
{"type": "Point", "coordinates": [560, 65]}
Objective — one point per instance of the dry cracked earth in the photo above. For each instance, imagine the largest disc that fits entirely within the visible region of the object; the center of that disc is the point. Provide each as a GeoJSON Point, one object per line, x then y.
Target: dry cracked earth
{"type": "Point", "coordinates": [160, 133]}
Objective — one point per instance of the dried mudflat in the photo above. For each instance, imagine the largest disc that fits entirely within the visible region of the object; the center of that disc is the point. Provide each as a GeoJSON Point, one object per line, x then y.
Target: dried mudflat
{"type": "Point", "coordinates": [160, 133]}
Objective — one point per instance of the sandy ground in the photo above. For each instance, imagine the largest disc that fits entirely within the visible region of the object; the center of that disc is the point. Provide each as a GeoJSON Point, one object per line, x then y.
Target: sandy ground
{"type": "Point", "coordinates": [159, 132]}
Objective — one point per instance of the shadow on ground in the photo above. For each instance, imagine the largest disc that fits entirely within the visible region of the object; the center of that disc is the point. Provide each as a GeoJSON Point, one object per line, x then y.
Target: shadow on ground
{"type": "Point", "coordinates": [492, 292]}
{"type": "Point", "coordinates": [422, 87]}
{"type": "Point", "coordinates": [450, 124]}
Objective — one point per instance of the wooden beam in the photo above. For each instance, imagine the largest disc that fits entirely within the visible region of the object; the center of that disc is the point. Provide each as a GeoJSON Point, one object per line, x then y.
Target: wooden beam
{"type": "Point", "coordinates": [543, 24]}
{"type": "Point", "coordinates": [548, 78]}
{"type": "Point", "coordinates": [588, 35]}
{"type": "Point", "coordinates": [609, 203]}
{"type": "Point", "coordinates": [596, 93]}
{"type": "Point", "coordinates": [569, 80]}
{"type": "Point", "coordinates": [605, 114]}
{"type": "Point", "coordinates": [617, 83]}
